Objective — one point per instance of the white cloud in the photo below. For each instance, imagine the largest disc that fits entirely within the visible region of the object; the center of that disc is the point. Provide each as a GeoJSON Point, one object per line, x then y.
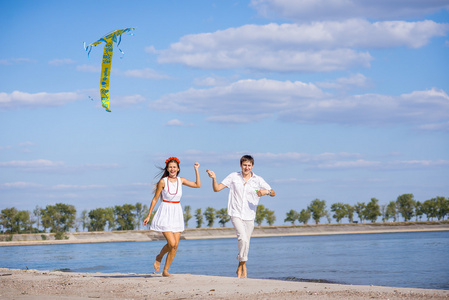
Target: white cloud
{"type": "Point", "coordinates": [415, 109]}
{"type": "Point", "coordinates": [315, 47]}
{"type": "Point", "coordinates": [26, 144]}
{"type": "Point", "coordinates": [306, 103]}
{"type": "Point", "coordinates": [267, 158]}
{"type": "Point", "coordinates": [298, 157]}
{"type": "Point", "coordinates": [77, 187]}
{"type": "Point", "coordinates": [48, 166]}
{"type": "Point", "coordinates": [232, 102]}
{"type": "Point", "coordinates": [320, 161]}
{"type": "Point", "coordinates": [19, 99]}
{"type": "Point", "coordinates": [176, 122]}
{"type": "Point", "coordinates": [349, 164]}
{"type": "Point", "coordinates": [24, 147]}
{"type": "Point", "coordinates": [151, 50]}
{"type": "Point", "coordinates": [61, 62]}
{"type": "Point", "coordinates": [20, 185]}
{"type": "Point", "coordinates": [146, 73]}
{"type": "Point", "coordinates": [89, 68]}
{"type": "Point", "coordinates": [306, 10]}
{"type": "Point", "coordinates": [38, 163]}
{"type": "Point", "coordinates": [346, 83]}
{"type": "Point", "coordinates": [211, 81]}
{"type": "Point", "coordinates": [14, 61]}
{"type": "Point", "coordinates": [125, 101]}
{"type": "Point", "coordinates": [435, 126]}
{"type": "Point", "coordinates": [383, 165]}
{"type": "Point", "coordinates": [297, 181]}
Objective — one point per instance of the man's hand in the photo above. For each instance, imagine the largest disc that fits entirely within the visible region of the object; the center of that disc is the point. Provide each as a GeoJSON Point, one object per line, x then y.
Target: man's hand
{"type": "Point", "coordinates": [211, 174]}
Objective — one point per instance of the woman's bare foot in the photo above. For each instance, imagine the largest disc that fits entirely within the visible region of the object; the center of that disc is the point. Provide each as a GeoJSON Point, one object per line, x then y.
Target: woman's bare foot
{"type": "Point", "coordinates": [166, 274]}
{"type": "Point", "coordinates": [157, 263]}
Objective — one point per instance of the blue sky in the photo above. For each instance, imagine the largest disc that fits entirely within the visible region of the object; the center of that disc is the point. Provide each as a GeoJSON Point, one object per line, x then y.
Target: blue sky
{"type": "Point", "coordinates": [341, 101]}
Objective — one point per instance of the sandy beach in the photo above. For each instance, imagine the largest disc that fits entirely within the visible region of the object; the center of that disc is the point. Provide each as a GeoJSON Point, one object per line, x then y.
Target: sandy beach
{"type": "Point", "coordinates": [33, 284]}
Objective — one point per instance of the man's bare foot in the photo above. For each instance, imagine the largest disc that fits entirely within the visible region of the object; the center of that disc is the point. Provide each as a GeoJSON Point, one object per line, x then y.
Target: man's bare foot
{"type": "Point", "coordinates": [244, 271]}
{"type": "Point", "coordinates": [157, 263]}
{"type": "Point", "coordinates": [166, 274]}
{"type": "Point", "coordinates": [239, 271]}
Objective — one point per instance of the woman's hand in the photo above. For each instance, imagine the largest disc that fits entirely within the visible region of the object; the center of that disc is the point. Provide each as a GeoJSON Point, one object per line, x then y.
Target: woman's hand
{"type": "Point", "coordinates": [196, 166]}
{"type": "Point", "coordinates": [145, 222]}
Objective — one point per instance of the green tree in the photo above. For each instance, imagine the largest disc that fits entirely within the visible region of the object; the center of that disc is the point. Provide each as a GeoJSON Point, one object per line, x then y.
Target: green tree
{"type": "Point", "coordinates": [22, 222]}
{"type": "Point", "coordinates": [406, 206]}
{"type": "Point", "coordinates": [383, 211]}
{"type": "Point", "coordinates": [391, 211]}
{"type": "Point", "coordinates": [140, 211]}
{"type": "Point", "coordinates": [373, 210]}
{"type": "Point", "coordinates": [84, 219]}
{"type": "Point", "coordinates": [59, 217]}
{"type": "Point", "coordinates": [97, 219]}
{"type": "Point", "coordinates": [199, 218]}
{"type": "Point", "coordinates": [37, 215]}
{"type": "Point", "coordinates": [270, 217]}
{"type": "Point", "coordinates": [15, 221]}
{"type": "Point", "coordinates": [109, 214]}
{"type": "Point", "coordinates": [223, 217]}
{"type": "Point", "coordinates": [328, 217]}
{"type": "Point", "coordinates": [304, 216]}
{"type": "Point", "coordinates": [429, 209]}
{"type": "Point", "coordinates": [7, 219]}
{"type": "Point", "coordinates": [419, 210]}
{"type": "Point", "coordinates": [349, 212]}
{"type": "Point", "coordinates": [187, 215]}
{"type": "Point", "coordinates": [291, 216]}
{"type": "Point", "coordinates": [209, 215]}
{"type": "Point", "coordinates": [360, 209]}
{"type": "Point", "coordinates": [339, 210]}
{"type": "Point", "coordinates": [124, 216]}
{"type": "Point", "coordinates": [261, 214]}
{"type": "Point", "coordinates": [442, 207]}
{"type": "Point", "coordinates": [318, 209]}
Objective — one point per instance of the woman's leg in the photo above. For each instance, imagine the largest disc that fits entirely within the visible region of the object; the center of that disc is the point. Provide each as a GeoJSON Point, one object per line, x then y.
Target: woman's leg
{"type": "Point", "coordinates": [159, 257]}
{"type": "Point", "coordinates": [172, 246]}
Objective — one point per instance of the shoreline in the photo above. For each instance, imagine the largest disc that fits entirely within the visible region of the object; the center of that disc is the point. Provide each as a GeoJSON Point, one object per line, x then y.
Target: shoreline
{"type": "Point", "coordinates": [35, 285]}
{"type": "Point", "coordinates": [226, 232]}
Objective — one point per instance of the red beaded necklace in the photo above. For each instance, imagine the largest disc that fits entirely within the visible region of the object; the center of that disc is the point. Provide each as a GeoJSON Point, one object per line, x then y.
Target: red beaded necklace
{"type": "Point", "coordinates": [168, 186]}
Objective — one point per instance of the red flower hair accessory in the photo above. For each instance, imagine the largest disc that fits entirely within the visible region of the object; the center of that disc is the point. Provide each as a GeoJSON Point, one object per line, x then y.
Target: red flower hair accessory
{"type": "Point", "coordinates": [172, 158]}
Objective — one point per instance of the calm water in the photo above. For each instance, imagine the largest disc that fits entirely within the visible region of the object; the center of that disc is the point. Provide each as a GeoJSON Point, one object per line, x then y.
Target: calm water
{"type": "Point", "coordinates": [390, 259]}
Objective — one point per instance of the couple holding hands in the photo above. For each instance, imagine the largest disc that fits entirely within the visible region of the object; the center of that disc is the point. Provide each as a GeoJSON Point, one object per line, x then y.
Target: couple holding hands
{"type": "Point", "coordinates": [245, 189]}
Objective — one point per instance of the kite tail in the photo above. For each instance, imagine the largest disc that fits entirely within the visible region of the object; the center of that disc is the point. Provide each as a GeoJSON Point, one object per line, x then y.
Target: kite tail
{"type": "Point", "coordinates": [87, 48]}
{"type": "Point", "coordinates": [105, 71]}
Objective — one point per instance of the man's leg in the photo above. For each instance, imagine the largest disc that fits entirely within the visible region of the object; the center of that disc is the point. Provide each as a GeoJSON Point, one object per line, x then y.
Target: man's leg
{"type": "Point", "coordinates": [243, 230]}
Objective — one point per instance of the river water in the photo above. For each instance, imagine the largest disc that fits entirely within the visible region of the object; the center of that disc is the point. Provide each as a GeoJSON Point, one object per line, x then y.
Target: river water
{"type": "Point", "coordinates": [416, 259]}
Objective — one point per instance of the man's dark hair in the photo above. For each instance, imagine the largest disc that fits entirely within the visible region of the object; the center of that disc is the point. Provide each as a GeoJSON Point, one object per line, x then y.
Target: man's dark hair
{"type": "Point", "coordinates": [247, 158]}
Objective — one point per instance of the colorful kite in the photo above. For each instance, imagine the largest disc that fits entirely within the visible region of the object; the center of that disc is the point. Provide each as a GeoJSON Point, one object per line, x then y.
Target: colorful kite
{"type": "Point", "coordinates": [107, 59]}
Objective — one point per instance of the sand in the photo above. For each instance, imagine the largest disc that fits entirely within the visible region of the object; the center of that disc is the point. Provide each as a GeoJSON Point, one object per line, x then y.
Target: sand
{"type": "Point", "coordinates": [34, 284]}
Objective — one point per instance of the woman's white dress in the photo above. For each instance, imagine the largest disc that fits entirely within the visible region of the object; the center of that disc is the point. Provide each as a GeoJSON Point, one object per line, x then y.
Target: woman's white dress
{"type": "Point", "coordinates": [169, 216]}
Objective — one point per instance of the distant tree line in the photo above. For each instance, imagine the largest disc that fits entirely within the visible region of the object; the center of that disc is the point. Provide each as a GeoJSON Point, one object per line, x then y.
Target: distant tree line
{"type": "Point", "coordinates": [405, 205]}
{"type": "Point", "coordinates": [60, 218]}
